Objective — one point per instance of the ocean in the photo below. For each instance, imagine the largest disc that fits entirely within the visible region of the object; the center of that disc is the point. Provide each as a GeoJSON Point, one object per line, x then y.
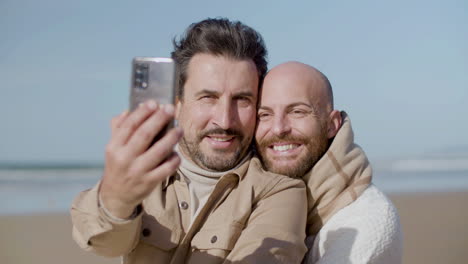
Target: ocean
{"type": "Point", "coordinates": [41, 190]}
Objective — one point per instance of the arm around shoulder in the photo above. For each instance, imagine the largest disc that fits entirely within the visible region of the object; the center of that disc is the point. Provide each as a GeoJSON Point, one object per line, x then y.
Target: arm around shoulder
{"type": "Point", "coordinates": [275, 231]}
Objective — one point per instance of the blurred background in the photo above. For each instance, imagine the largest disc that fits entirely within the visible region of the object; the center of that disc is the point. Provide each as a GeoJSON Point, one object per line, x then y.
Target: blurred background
{"type": "Point", "coordinates": [398, 68]}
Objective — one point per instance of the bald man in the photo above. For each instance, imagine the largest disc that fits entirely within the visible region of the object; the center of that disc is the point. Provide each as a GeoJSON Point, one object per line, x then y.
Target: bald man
{"type": "Point", "coordinates": [300, 134]}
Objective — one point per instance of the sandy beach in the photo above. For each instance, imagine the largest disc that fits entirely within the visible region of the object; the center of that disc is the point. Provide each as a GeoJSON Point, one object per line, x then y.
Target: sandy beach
{"type": "Point", "coordinates": [435, 229]}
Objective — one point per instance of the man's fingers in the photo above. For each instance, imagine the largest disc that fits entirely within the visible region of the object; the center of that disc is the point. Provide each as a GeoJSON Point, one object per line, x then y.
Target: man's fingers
{"type": "Point", "coordinates": [144, 135]}
{"type": "Point", "coordinates": [116, 121]}
{"type": "Point", "coordinates": [165, 169]}
{"type": "Point", "coordinates": [160, 151]}
{"type": "Point", "coordinates": [133, 121]}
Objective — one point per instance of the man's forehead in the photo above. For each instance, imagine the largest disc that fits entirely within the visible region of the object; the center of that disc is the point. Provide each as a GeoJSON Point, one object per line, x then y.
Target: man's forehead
{"type": "Point", "coordinates": [285, 92]}
{"type": "Point", "coordinates": [287, 101]}
{"type": "Point", "coordinates": [216, 73]}
{"type": "Point", "coordinates": [291, 83]}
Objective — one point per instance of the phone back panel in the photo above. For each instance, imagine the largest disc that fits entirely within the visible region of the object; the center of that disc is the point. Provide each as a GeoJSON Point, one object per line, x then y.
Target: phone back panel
{"type": "Point", "coordinates": [152, 78]}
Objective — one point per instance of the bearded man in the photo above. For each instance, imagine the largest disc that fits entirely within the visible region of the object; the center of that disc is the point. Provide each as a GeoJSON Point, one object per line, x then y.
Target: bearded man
{"type": "Point", "coordinates": [300, 134]}
{"type": "Point", "coordinates": [210, 202]}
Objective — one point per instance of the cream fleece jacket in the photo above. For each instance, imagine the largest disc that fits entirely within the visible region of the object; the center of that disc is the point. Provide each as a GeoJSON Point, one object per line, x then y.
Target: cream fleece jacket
{"type": "Point", "coordinates": [366, 231]}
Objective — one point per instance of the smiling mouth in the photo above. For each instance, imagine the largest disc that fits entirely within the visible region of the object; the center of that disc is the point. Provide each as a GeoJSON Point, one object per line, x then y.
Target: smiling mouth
{"type": "Point", "coordinates": [284, 147]}
{"type": "Point", "coordinates": [221, 138]}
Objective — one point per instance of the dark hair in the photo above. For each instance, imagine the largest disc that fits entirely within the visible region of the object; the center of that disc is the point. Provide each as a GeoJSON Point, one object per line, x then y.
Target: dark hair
{"type": "Point", "coordinates": [218, 36]}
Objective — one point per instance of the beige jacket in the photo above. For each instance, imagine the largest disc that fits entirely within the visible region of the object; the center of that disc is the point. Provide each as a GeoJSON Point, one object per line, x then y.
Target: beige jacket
{"type": "Point", "coordinates": [252, 216]}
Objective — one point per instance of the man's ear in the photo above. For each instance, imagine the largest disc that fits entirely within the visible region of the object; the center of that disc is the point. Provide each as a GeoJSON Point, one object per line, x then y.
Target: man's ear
{"type": "Point", "coordinates": [334, 123]}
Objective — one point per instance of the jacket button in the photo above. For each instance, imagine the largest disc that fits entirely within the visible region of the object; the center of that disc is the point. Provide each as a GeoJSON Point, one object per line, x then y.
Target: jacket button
{"type": "Point", "coordinates": [146, 232]}
{"type": "Point", "coordinates": [184, 205]}
{"type": "Point", "coordinates": [214, 239]}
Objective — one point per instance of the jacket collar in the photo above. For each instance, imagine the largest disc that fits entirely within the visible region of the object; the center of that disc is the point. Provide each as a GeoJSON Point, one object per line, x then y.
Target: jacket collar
{"type": "Point", "coordinates": [239, 171]}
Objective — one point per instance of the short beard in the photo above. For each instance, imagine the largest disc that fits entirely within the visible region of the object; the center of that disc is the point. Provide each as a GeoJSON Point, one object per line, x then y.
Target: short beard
{"type": "Point", "coordinates": [215, 162]}
{"type": "Point", "coordinates": [316, 148]}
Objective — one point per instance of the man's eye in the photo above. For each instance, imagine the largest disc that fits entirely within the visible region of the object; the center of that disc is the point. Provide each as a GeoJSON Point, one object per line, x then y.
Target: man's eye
{"type": "Point", "coordinates": [298, 112]}
{"type": "Point", "coordinates": [263, 116]}
{"type": "Point", "coordinates": [207, 97]}
{"type": "Point", "coordinates": [244, 101]}
{"type": "Point", "coordinates": [242, 98]}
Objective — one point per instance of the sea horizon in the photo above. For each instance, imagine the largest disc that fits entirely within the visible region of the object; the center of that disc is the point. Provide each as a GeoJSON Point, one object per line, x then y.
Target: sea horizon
{"type": "Point", "coordinates": [27, 188]}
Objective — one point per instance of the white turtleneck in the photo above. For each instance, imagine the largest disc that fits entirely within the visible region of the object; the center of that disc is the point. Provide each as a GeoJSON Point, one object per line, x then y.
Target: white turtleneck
{"type": "Point", "coordinates": [200, 182]}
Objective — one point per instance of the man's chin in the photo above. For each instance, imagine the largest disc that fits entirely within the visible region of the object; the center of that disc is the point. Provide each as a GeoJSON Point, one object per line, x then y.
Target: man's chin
{"type": "Point", "coordinates": [217, 163]}
{"type": "Point", "coordinates": [290, 168]}
{"type": "Point", "coordinates": [282, 162]}
{"type": "Point", "coordinates": [215, 160]}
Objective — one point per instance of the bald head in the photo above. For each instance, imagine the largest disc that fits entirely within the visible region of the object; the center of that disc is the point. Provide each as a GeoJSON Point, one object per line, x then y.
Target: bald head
{"type": "Point", "coordinates": [296, 75]}
{"type": "Point", "coordinates": [296, 119]}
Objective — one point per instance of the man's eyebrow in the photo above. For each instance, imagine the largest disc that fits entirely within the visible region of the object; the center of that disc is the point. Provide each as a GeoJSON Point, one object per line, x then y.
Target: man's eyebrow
{"type": "Point", "coordinates": [311, 106]}
{"type": "Point", "coordinates": [211, 92]}
{"type": "Point", "coordinates": [243, 94]}
{"type": "Point", "coordinates": [299, 104]}
{"type": "Point", "coordinates": [205, 91]}
{"type": "Point", "coordinates": [288, 106]}
{"type": "Point", "coordinates": [266, 108]}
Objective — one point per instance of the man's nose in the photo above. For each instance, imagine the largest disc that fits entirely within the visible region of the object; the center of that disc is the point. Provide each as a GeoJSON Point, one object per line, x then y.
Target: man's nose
{"type": "Point", "coordinates": [224, 114]}
{"type": "Point", "coordinates": [281, 125]}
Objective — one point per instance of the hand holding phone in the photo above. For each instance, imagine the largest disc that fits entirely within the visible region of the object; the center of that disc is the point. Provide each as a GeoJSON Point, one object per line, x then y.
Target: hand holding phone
{"type": "Point", "coordinates": [153, 78]}
{"type": "Point", "coordinates": [136, 161]}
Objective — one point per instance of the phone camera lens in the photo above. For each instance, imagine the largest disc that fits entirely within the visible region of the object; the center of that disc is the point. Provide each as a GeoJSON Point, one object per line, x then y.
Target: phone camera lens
{"type": "Point", "coordinates": [141, 75]}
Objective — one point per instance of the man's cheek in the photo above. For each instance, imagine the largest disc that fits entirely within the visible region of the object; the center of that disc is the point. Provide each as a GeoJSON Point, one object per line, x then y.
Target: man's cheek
{"type": "Point", "coordinates": [260, 132]}
{"type": "Point", "coordinates": [247, 113]}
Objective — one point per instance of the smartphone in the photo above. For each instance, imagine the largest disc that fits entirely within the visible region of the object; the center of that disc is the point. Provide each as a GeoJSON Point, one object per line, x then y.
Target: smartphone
{"type": "Point", "coordinates": [153, 78]}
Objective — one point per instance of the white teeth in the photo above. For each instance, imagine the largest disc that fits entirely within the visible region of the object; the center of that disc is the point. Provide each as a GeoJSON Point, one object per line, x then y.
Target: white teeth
{"type": "Point", "coordinates": [221, 139]}
{"type": "Point", "coordinates": [284, 147]}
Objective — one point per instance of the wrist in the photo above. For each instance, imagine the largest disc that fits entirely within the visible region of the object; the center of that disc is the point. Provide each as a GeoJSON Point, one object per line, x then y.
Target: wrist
{"type": "Point", "coordinates": [117, 211]}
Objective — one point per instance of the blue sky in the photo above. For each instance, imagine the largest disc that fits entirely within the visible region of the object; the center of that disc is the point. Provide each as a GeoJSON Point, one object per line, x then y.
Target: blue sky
{"type": "Point", "coordinates": [399, 68]}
